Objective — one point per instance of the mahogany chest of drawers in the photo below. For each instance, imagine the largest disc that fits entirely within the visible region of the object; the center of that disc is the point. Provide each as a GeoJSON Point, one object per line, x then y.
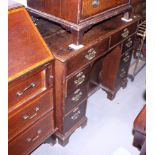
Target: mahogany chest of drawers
{"type": "Point", "coordinates": [30, 84]}
{"type": "Point", "coordinates": [76, 70]}
{"type": "Point", "coordinates": [78, 16]}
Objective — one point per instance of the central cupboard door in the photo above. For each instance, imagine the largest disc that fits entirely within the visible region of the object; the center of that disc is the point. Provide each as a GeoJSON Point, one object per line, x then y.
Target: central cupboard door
{"type": "Point", "coordinates": [92, 7]}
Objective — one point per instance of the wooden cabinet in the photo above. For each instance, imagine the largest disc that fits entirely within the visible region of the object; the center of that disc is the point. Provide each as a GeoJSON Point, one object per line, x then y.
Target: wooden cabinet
{"type": "Point", "coordinates": [139, 131]}
{"type": "Point", "coordinates": [78, 16]}
{"type": "Point", "coordinates": [75, 70]}
{"type": "Point", "coordinates": [118, 60]}
{"type": "Point", "coordinates": [30, 84]}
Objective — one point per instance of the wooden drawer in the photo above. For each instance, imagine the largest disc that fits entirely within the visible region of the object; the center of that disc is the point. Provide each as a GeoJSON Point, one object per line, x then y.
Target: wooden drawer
{"type": "Point", "coordinates": [33, 136]}
{"type": "Point", "coordinates": [74, 116]}
{"type": "Point", "coordinates": [77, 80]}
{"type": "Point", "coordinates": [92, 7]}
{"type": "Point", "coordinates": [27, 88]}
{"type": "Point", "coordinates": [29, 113]}
{"type": "Point", "coordinates": [128, 43]}
{"type": "Point", "coordinates": [123, 34]}
{"type": "Point", "coordinates": [87, 55]}
{"type": "Point", "coordinates": [76, 97]}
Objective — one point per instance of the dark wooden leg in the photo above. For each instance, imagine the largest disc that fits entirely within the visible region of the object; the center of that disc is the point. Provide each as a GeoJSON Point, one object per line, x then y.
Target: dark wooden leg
{"type": "Point", "coordinates": [110, 96]}
{"type": "Point", "coordinates": [84, 124]}
{"type": "Point", "coordinates": [77, 37]}
{"type": "Point", "coordinates": [51, 140]}
{"type": "Point", "coordinates": [63, 142]}
{"type": "Point", "coordinates": [127, 16]}
{"type": "Point", "coordinates": [124, 83]}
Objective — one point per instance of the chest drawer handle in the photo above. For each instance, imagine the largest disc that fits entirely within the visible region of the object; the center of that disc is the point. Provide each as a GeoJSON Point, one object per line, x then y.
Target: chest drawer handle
{"type": "Point", "coordinates": [25, 117]}
{"type": "Point", "coordinates": [76, 115]}
{"type": "Point", "coordinates": [125, 33]}
{"type": "Point", "coordinates": [80, 79]}
{"type": "Point", "coordinates": [91, 54]}
{"type": "Point", "coordinates": [126, 59]}
{"type": "Point", "coordinates": [34, 138]}
{"type": "Point", "coordinates": [95, 3]}
{"type": "Point", "coordinates": [78, 94]}
{"type": "Point", "coordinates": [122, 75]}
{"type": "Point", "coordinates": [129, 43]}
{"type": "Point", "coordinates": [20, 93]}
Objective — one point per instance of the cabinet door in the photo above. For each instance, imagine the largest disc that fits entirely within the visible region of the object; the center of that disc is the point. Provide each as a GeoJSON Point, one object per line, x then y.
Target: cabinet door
{"type": "Point", "coordinates": [110, 68]}
{"type": "Point", "coordinates": [92, 7]}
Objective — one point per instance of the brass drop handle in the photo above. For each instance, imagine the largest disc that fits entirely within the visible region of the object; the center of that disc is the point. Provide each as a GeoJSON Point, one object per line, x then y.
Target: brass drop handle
{"type": "Point", "coordinates": [34, 138]}
{"type": "Point", "coordinates": [20, 93]}
{"type": "Point", "coordinates": [78, 95]}
{"type": "Point", "coordinates": [126, 59]}
{"type": "Point", "coordinates": [90, 54]}
{"type": "Point", "coordinates": [95, 3]}
{"type": "Point", "coordinates": [76, 114]}
{"type": "Point", "coordinates": [129, 43]}
{"type": "Point", "coordinates": [25, 117]}
{"type": "Point", "coordinates": [125, 33]}
{"type": "Point", "coordinates": [80, 78]}
{"type": "Point", "coordinates": [123, 74]}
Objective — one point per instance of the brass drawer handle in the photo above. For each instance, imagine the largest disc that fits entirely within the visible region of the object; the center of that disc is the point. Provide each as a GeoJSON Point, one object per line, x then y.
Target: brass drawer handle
{"type": "Point", "coordinates": [20, 93]}
{"type": "Point", "coordinates": [91, 54]}
{"type": "Point", "coordinates": [126, 59]}
{"type": "Point", "coordinates": [76, 115]}
{"type": "Point", "coordinates": [95, 3]}
{"type": "Point", "coordinates": [80, 78]}
{"type": "Point", "coordinates": [125, 33]}
{"type": "Point", "coordinates": [25, 117]}
{"type": "Point", "coordinates": [129, 43]}
{"type": "Point", "coordinates": [123, 74]}
{"type": "Point", "coordinates": [34, 138]}
{"type": "Point", "coordinates": [78, 95]}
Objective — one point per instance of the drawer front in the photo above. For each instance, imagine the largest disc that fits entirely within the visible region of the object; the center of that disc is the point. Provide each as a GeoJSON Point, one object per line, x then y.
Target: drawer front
{"type": "Point", "coordinates": [78, 80]}
{"type": "Point", "coordinates": [28, 114]}
{"type": "Point", "coordinates": [128, 43]}
{"type": "Point", "coordinates": [123, 34]}
{"type": "Point", "coordinates": [92, 7]}
{"type": "Point", "coordinates": [25, 89]}
{"type": "Point", "coordinates": [76, 97]}
{"type": "Point", "coordinates": [87, 55]}
{"type": "Point", "coordinates": [74, 116]}
{"type": "Point", "coordinates": [33, 136]}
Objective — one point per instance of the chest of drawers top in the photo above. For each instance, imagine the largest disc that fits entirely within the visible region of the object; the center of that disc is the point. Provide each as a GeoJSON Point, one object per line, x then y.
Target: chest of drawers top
{"type": "Point", "coordinates": [27, 49]}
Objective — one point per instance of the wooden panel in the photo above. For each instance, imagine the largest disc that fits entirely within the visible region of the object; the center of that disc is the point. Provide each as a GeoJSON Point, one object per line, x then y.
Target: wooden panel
{"type": "Point", "coordinates": [27, 49]}
{"type": "Point", "coordinates": [33, 136]}
{"type": "Point", "coordinates": [108, 75]}
{"type": "Point", "coordinates": [26, 89]}
{"type": "Point", "coordinates": [70, 10]}
{"type": "Point", "coordinates": [47, 6]}
{"type": "Point", "coordinates": [92, 7]}
{"type": "Point", "coordinates": [77, 80]}
{"type": "Point", "coordinates": [76, 97]}
{"type": "Point", "coordinates": [26, 115]}
{"type": "Point", "coordinates": [74, 117]}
